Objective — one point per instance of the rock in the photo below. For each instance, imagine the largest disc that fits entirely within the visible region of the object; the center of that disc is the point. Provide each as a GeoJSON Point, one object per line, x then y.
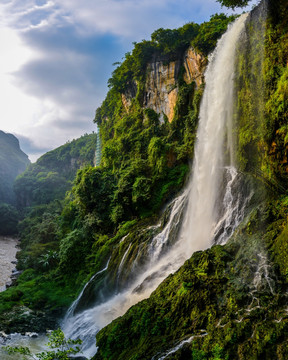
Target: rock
{"type": "Point", "coordinates": [161, 87]}
{"type": "Point", "coordinates": [4, 336]}
{"type": "Point", "coordinates": [32, 335]}
{"type": "Point", "coordinates": [9, 284]}
{"type": "Point", "coordinates": [194, 64]}
{"type": "Point", "coordinates": [23, 320]}
{"type": "Point", "coordinates": [161, 90]}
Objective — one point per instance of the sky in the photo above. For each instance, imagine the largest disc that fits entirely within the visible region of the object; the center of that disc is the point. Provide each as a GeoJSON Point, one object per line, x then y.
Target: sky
{"type": "Point", "coordinates": [57, 56]}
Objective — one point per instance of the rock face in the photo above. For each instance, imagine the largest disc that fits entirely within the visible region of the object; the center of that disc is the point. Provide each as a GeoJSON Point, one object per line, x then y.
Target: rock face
{"type": "Point", "coordinates": [162, 82]}
{"type": "Point", "coordinates": [13, 161]}
{"type": "Point", "coordinates": [194, 64]}
{"type": "Point", "coordinates": [161, 88]}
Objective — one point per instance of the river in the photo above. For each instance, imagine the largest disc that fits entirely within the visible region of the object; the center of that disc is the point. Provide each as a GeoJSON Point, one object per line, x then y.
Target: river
{"type": "Point", "coordinates": [8, 250]}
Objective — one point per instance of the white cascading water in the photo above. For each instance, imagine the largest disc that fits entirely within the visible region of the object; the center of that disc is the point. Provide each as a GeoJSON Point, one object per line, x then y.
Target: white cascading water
{"type": "Point", "coordinates": [75, 303]}
{"type": "Point", "coordinates": [216, 114]}
{"type": "Point", "coordinates": [201, 217]}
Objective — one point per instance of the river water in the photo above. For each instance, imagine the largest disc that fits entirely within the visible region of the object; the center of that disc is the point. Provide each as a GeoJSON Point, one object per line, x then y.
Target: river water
{"type": "Point", "coordinates": [8, 250]}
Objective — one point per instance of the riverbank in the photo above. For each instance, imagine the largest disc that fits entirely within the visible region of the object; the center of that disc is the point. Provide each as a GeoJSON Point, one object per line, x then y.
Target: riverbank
{"type": "Point", "coordinates": [8, 251]}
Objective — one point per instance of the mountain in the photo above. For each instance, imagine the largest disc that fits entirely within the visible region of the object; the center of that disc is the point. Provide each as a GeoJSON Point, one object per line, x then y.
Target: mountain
{"type": "Point", "coordinates": [52, 174]}
{"type": "Point", "coordinates": [13, 161]}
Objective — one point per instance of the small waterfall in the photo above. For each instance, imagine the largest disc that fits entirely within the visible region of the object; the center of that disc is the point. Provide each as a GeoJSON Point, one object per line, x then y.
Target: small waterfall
{"type": "Point", "coordinates": [212, 154]}
{"type": "Point", "coordinates": [233, 206]}
{"type": "Point", "coordinates": [180, 345]}
{"type": "Point", "coordinates": [160, 240]}
{"type": "Point", "coordinates": [97, 158]}
{"type": "Point", "coordinates": [75, 303]}
{"type": "Point", "coordinates": [262, 282]}
{"type": "Point", "coordinates": [120, 268]}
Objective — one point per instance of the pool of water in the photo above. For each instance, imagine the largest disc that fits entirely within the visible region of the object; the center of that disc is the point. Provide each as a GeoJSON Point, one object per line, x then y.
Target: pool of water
{"type": "Point", "coordinates": [36, 345]}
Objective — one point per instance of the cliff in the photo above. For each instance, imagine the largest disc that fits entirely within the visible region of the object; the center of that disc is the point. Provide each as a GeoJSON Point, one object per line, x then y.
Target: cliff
{"type": "Point", "coordinates": [161, 89]}
{"type": "Point", "coordinates": [13, 161]}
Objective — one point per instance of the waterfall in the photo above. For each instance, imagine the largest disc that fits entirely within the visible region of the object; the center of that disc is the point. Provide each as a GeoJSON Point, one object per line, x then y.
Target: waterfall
{"type": "Point", "coordinates": [75, 303]}
{"type": "Point", "coordinates": [213, 156]}
{"type": "Point", "coordinates": [216, 113]}
{"type": "Point", "coordinates": [120, 268]}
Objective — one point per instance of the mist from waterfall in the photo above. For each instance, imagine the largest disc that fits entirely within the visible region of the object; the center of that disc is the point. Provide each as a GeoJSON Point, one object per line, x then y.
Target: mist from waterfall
{"type": "Point", "coordinates": [214, 152]}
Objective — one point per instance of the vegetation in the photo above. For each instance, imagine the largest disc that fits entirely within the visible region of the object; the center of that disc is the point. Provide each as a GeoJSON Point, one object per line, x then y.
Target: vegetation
{"type": "Point", "coordinates": [234, 3]}
{"type": "Point", "coordinates": [9, 217]}
{"type": "Point", "coordinates": [12, 162]}
{"type": "Point", "coordinates": [51, 176]}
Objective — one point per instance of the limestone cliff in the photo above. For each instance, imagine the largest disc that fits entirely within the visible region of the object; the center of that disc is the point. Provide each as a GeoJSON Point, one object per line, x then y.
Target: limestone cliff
{"type": "Point", "coordinates": [161, 87]}
{"type": "Point", "coordinates": [194, 64]}
{"type": "Point", "coordinates": [162, 78]}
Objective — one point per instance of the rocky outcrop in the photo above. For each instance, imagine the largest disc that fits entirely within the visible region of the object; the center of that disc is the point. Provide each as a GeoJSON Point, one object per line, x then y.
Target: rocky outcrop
{"type": "Point", "coordinates": [161, 90]}
{"type": "Point", "coordinates": [194, 64]}
{"type": "Point", "coordinates": [162, 82]}
{"type": "Point", "coordinates": [130, 93]}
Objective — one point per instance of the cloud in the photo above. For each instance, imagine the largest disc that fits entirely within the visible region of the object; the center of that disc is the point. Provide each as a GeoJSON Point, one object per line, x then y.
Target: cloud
{"type": "Point", "coordinates": [69, 73]}
{"type": "Point", "coordinates": [125, 18]}
{"type": "Point", "coordinates": [28, 147]}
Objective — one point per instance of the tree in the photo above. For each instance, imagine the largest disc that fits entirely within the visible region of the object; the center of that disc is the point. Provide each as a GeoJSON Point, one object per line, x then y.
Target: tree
{"type": "Point", "coordinates": [234, 3]}
{"type": "Point", "coordinates": [61, 347]}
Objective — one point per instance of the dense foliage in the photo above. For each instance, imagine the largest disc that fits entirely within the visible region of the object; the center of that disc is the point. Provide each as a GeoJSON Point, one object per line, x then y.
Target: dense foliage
{"type": "Point", "coordinates": [234, 3]}
{"type": "Point", "coordinates": [8, 219]}
{"type": "Point", "coordinates": [262, 100]}
{"type": "Point", "coordinates": [52, 174]}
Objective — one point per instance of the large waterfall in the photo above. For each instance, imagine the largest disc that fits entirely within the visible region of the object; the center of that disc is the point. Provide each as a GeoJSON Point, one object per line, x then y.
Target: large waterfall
{"type": "Point", "coordinates": [210, 212]}
{"type": "Point", "coordinates": [210, 153]}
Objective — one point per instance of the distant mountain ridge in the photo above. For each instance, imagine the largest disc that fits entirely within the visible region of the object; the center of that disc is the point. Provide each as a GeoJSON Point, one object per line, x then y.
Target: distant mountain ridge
{"type": "Point", "coordinates": [53, 173]}
{"type": "Point", "coordinates": [13, 161]}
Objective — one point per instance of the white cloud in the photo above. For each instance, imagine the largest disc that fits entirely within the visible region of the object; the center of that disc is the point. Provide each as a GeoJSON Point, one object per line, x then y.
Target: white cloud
{"type": "Point", "coordinates": [127, 18]}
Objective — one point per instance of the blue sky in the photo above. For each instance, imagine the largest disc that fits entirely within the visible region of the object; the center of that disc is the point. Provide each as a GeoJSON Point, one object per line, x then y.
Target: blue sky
{"type": "Point", "coordinates": [57, 55]}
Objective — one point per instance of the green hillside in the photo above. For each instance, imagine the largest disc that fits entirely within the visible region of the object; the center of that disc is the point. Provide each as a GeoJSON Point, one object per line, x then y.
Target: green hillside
{"type": "Point", "coordinates": [53, 173]}
{"type": "Point", "coordinates": [13, 161]}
